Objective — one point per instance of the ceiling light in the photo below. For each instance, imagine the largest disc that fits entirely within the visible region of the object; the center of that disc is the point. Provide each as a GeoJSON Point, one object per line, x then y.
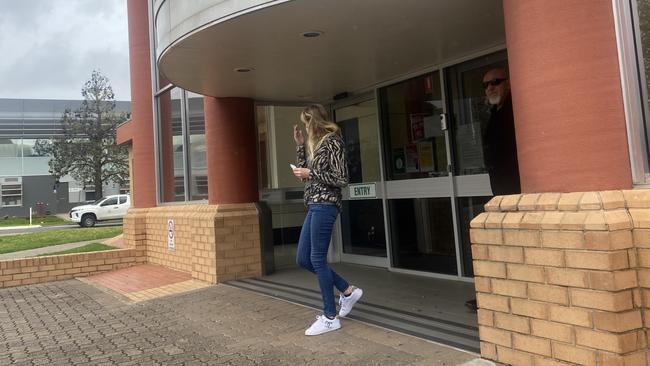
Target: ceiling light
{"type": "Point", "coordinates": [312, 34]}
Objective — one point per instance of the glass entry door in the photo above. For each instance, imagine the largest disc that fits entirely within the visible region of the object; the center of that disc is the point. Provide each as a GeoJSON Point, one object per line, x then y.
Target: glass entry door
{"type": "Point", "coordinates": [362, 231]}
{"type": "Point", "coordinates": [469, 122]}
{"type": "Point", "coordinates": [419, 189]}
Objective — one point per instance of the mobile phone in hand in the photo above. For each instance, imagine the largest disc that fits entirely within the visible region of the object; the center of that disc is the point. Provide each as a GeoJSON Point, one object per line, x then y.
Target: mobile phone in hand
{"type": "Point", "coordinates": [292, 166]}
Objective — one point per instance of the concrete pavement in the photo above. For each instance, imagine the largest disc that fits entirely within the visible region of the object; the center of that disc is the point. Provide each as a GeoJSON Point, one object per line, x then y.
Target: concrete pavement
{"type": "Point", "coordinates": [74, 323]}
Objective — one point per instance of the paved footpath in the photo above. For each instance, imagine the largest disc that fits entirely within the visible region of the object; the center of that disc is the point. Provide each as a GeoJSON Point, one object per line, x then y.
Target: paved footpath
{"type": "Point", "coordinates": [76, 323]}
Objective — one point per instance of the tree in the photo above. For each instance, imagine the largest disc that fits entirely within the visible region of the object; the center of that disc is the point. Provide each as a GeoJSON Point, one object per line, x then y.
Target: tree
{"type": "Point", "coordinates": [87, 150]}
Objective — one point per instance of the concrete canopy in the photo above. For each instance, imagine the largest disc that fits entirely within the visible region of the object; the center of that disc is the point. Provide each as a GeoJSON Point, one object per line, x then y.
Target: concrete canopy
{"type": "Point", "coordinates": [363, 43]}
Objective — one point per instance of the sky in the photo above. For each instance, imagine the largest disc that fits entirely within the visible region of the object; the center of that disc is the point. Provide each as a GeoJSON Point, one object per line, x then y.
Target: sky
{"type": "Point", "coordinates": [49, 48]}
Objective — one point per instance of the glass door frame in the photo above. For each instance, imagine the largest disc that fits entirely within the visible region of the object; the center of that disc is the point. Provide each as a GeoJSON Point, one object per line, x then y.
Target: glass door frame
{"type": "Point", "coordinates": [337, 237]}
{"type": "Point", "coordinates": [453, 179]}
{"type": "Point", "coordinates": [408, 185]}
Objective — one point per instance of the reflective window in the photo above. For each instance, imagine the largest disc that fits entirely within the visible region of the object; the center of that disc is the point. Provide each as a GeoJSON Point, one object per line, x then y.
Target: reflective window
{"type": "Point", "coordinates": [276, 146]}
{"type": "Point", "coordinates": [359, 128]}
{"type": "Point", "coordinates": [198, 163]}
{"type": "Point", "coordinates": [422, 234]}
{"type": "Point", "coordinates": [287, 219]}
{"type": "Point", "coordinates": [469, 208]}
{"type": "Point", "coordinates": [110, 202]}
{"type": "Point", "coordinates": [10, 148]}
{"type": "Point", "coordinates": [122, 199]}
{"type": "Point", "coordinates": [171, 146]}
{"type": "Point", "coordinates": [643, 12]}
{"type": "Point", "coordinates": [362, 226]}
{"type": "Point", "coordinates": [12, 194]}
{"type": "Point", "coordinates": [182, 147]}
{"type": "Point", "coordinates": [644, 27]}
{"type": "Point", "coordinates": [415, 141]}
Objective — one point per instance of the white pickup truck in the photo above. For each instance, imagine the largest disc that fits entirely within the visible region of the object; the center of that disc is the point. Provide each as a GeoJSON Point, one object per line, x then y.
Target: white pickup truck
{"type": "Point", "coordinates": [109, 208]}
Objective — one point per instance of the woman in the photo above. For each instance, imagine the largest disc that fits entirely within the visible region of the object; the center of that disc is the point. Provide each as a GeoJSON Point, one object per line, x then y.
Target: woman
{"type": "Point", "coordinates": [322, 165]}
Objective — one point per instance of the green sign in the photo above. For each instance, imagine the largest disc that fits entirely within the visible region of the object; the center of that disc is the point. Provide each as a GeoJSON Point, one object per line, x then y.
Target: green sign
{"type": "Point", "coordinates": [358, 191]}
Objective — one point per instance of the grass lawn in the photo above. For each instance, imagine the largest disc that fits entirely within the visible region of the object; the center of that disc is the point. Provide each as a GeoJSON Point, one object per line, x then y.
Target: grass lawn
{"type": "Point", "coordinates": [48, 220]}
{"type": "Point", "coordinates": [15, 243]}
{"type": "Point", "coordinates": [92, 247]}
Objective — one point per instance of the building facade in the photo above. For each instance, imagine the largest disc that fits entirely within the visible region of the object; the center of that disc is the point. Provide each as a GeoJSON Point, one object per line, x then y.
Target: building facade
{"type": "Point", "coordinates": [25, 180]}
{"type": "Point", "coordinates": [218, 85]}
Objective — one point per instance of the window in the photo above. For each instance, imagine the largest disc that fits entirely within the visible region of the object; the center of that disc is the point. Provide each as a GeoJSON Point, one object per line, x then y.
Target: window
{"type": "Point", "coordinates": [632, 19]}
{"type": "Point", "coordinates": [644, 27]}
{"type": "Point", "coordinates": [181, 149]}
{"type": "Point", "coordinates": [198, 164]}
{"type": "Point", "coordinates": [122, 199]}
{"type": "Point", "coordinates": [12, 194]}
{"type": "Point", "coordinates": [276, 146]}
{"type": "Point", "coordinates": [411, 117]}
{"type": "Point", "coordinates": [90, 193]}
{"type": "Point", "coordinates": [109, 202]}
{"type": "Point", "coordinates": [171, 146]}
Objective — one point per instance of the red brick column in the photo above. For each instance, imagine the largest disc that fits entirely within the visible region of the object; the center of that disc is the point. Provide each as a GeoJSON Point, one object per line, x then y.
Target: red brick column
{"type": "Point", "coordinates": [231, 152]}
{"type": "Point", "coordinates": [566, 93]}
{"type": "Point", "coordinates": [143, 177]}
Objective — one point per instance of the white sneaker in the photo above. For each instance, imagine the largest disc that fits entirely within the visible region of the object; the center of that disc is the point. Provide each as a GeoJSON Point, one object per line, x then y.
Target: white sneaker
{"type": "Point", "coordinates": [347, 302]}
{"type": "Point", "coordinates": [323, 325]}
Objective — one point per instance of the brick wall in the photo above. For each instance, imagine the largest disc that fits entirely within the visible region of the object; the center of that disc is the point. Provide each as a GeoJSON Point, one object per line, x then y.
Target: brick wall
{"type": "Point", "coordinates": [561, 278]}
{"type": "Point", "coordinates": [63, 267]}
{"type": "Point", "coordinates": [215, 243]}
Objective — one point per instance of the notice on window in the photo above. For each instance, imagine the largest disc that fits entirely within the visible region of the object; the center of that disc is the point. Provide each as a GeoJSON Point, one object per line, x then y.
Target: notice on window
{"type": "Point", "coordinates": [425, 153]}
{"type": "Point", "coordinates": [417, 126]}
{"type": "Point", "coordinates": [412, 159]}
{"type": "Point", "coordinates": [399, 161]}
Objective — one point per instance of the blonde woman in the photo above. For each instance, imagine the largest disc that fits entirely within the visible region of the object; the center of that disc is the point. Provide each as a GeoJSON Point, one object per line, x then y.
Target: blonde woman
{"type": "Point", "coordinates": [322, 165]}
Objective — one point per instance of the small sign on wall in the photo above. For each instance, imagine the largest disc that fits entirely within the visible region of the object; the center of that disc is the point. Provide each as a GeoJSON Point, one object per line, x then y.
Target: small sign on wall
{"type": "Point", "coordinates": [170, 234]}
{"type": "Point", "coordinates": [358, 191]}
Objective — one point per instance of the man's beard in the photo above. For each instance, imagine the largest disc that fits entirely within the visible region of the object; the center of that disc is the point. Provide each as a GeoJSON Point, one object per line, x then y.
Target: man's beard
{"type": "Point", "coordinates": [494, 100]}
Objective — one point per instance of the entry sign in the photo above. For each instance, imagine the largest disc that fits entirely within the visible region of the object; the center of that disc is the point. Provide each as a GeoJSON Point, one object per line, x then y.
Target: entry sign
{"type": "Point", "coordinates": [170, 234]}
{"type": "Point", "coordinates": [358, 191]}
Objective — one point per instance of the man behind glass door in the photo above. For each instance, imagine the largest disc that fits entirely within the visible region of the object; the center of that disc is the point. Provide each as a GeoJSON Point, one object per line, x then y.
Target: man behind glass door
{"type": "Point", "coordinates": [499, 142]}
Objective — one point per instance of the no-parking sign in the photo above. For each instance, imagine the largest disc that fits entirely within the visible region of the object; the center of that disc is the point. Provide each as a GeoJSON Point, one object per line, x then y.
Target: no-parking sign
{"type": "Point", "coordinates": [170, 234]}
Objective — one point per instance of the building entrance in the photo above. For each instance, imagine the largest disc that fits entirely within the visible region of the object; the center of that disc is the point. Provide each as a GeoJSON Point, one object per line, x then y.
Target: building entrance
{"type": "Point", "coordinates": [419, 186]}
{"type": "Point", "coordinates": [415, 182]}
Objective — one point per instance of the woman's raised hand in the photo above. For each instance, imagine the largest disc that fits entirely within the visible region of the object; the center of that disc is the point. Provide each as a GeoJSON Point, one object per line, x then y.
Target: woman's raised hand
{"type": "Point", "coordinates": [297, 136]}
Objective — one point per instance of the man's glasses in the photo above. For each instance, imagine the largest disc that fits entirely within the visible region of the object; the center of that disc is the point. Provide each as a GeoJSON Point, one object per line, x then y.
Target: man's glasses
{"type": "Point", "coordinates": [493, 82]}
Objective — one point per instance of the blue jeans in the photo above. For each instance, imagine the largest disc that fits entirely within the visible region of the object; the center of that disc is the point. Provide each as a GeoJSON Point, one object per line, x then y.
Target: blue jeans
{"type": "Point", "coordinates": [312, 252]}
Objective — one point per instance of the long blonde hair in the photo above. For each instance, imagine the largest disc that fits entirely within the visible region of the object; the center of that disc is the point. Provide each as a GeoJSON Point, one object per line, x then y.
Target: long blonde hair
{"type": "Point", "coordinates": [319, 126]}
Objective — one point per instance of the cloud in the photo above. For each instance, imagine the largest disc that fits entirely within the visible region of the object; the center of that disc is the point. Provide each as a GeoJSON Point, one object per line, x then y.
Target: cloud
{"type": "Point", "coordinates": [50, 47]}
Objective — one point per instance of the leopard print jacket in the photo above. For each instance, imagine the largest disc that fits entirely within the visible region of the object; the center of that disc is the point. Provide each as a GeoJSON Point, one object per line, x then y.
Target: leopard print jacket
{"type": "Point", "coordinates": [328, 171]}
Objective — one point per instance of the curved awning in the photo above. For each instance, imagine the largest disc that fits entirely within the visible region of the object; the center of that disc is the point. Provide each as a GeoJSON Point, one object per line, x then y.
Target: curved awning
{"type": "Point", "coordinates": [363, 43]}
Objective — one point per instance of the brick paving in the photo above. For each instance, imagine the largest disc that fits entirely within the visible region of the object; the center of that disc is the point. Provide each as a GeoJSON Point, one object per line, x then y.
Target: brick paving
{"type": "Point", "coordinates": [139, 278]}
{"type": "Point", "coordinates": [76, 323]}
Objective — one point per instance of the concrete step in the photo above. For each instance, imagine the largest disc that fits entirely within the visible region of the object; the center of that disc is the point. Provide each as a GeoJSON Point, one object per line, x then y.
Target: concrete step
{"type": "Point", "coordinates": [444, 331]}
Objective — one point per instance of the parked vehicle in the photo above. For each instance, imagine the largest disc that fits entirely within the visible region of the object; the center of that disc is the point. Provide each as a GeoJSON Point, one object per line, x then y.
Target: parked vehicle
{"type": "Point", "coordinates": [108, 208]}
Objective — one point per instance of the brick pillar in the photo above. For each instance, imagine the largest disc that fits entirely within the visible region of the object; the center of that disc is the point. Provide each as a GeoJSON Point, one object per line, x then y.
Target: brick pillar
{"type": "Point", "coordinates": [141, 105]}
{"type": "Point", "coordinates": [135, 230]}
{"type": "Point", "coordinates": [566, 94]}
{"type": "Point", "coordinates": [231, 151]}
{"type": "Point", "coordinates": [556, 278]}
